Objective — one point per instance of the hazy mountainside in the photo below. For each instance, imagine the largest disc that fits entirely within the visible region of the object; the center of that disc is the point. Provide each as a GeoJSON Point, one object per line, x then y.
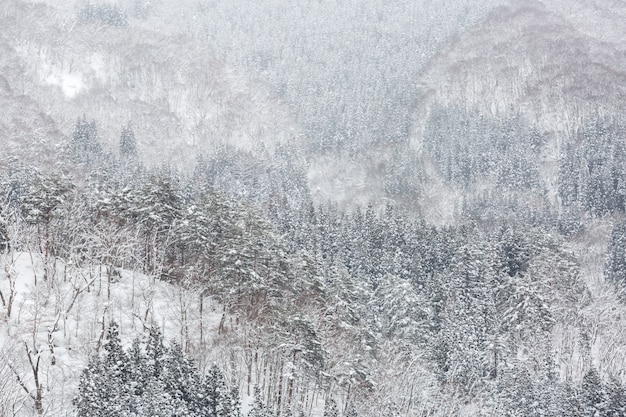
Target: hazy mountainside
{"type": "Point", "coordinates": [348, 70]}
{"type": "Point", "coordinates": [313, 208]}
{"type": "Point", "coordinates": [533, 61]}
{"type": "Point", "coordinates": [537, 59]}
{"type": "Point", "coordinates": [181, 100]}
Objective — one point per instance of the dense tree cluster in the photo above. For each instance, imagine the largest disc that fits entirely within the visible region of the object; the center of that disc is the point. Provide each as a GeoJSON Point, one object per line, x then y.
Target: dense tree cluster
{"type": "Point", "coordinates": [151, 379]}
{"type": "Point", "coordinates": [592, 173]}
{"type": "Point", "coordinates": [510, 303]}
{"type": "Point", "coordinates": [330, 299]}
{"type": "Point", "coordinates": [470, 147]}
{"type": "Point", "coordinates": [470, 298]}
{"type": "Point", "coordinates": [105, 13]}
{"type": "Point", "coordinates": [615, 269]}
{"type": "Point", "coordinates": [347, 69]}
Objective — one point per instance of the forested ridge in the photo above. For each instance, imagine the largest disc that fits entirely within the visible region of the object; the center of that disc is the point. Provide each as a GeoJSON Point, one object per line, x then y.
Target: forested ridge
{"type": "Point", "coordinates": [312, 226]}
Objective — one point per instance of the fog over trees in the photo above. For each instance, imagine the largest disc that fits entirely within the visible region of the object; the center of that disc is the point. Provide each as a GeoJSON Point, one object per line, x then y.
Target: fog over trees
{"type": "Point", "coordinates": [312, 208]}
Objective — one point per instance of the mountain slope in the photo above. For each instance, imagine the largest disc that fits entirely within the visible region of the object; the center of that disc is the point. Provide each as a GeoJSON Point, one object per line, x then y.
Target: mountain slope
{"type": "Point", "coordinates": [179, 98]}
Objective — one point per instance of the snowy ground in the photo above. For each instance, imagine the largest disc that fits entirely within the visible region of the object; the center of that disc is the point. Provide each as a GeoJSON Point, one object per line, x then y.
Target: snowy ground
{"type": "Point", "coordinates": [60, 321]}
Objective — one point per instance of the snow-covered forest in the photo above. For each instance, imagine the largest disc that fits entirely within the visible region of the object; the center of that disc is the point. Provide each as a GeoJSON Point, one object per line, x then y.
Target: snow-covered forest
{"type": "Point", "coordinates": [312, 208]}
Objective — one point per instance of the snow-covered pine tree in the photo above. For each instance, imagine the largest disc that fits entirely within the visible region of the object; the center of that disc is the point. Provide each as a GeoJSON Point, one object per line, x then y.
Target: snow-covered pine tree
{"type": "Point", "coordinates": [155, 353]}
{"type": "Point", "coordinates": [330, 408]}
{"type": "Point", "coordinates": [615, 269]}
{"type": "Point", "coordinates": [128, 143]}
{"type": "Point", "coordinates": [351, 411]}
{"type": "Point", "coordinates": [181, 380]}
{"type": "Point", "coordinates": [594, 397]}
{"type": "Point", "coordinates": [259, 409]}
{"type": "Point", "coordinates": [214, 393]}
{"type": "Point", "coordinates": [84, 146]}
{"type": "Point", "coordinates": [39, 206]}
{"type": "Point", "coordinates": [5, 242]}
{"type": "Point", "coordinates": [103, 389]}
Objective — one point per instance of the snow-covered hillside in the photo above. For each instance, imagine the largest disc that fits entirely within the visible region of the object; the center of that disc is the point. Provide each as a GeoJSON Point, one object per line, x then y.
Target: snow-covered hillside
{"type": "Point", "coordinates": [59, 321]}
{"type": "Point", "coordinates": [181, 99]}
{"type": "Point", "coordinates": [327, 208]}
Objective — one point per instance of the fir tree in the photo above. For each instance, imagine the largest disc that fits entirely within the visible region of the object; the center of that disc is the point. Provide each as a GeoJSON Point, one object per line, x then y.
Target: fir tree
{"type": "Point", "coordinates": [330, 408]}
{"type": "Point", "coordinates": [85, 144]}
{"type": "Point", "coordinates": [351, 411]}
{"type": "Point", "coordinates": [615, 269]}
{"type": "Point", "coordinates": [5, 242]}
{"type": "Point", "coordinates": [128, 143]}
{"type": "Point", "coordinates": [259, 409]}
{"type": "Point", "coordinates": [180, 378]}
{"type": "Point", "coordinates": [155, 353]}
{"type": "Point", "coordinates": [594, 397]}
{"type": "Point", "coordinates": [214, 387]}
{"type": "Point", "coordinates": [161, 382]}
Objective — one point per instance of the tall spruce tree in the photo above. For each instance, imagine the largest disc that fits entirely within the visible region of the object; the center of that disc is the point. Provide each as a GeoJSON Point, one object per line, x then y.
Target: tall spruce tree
{"type": "Point", "coordinates": [85, 144]}
{"type": "Point", "coordinates": [615, 269]}
{"type": "Point", "coordinates": [153, 381]}
{"type": "Point", "coordinates": [128, 143]}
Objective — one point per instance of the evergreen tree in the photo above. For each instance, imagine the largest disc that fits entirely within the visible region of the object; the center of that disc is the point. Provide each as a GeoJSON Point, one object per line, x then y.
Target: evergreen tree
{"type": "Point", "coordinates": [330, 408]}
{"type": "Point", "coordinates": [155, 353]}
{"type": "Point", "coordinates": [259, 409]}
{"type": "Point", "coordinates": [103, 388]}
{"type": "Point", "coordinates": [615, 269]}
{"type": "Point", "coordinates": [93, 399]}
{"type": "Point", "coordinates": [235, 402]}
{"type": "Point", "coordinates": [128, 143]}
{"type": "Point", "coordinates": [180, 378]}
{"type": "Point", "coordinates": [5, 242]}
{"type": "Point", "coordinates": [138, 374]}
{"type": "Point", "coordinates": [41, 204]}
{"type": "Point", "coordinates": [351, 411]}
{"type": "Point", "coordinates": [105, 13]}
{"type": "Point", "coordinates": [85, 144]}
{"type": "Point", "coordinates": [594, 397]}
{"type": "Point", "coordinates": [159, 382]}
{"type": "Point", "coordinates": [616, 396]}
{"type": "Point", "coordinates": [216, 400]}
{"type": "Point", "coordinates": [115, 359]}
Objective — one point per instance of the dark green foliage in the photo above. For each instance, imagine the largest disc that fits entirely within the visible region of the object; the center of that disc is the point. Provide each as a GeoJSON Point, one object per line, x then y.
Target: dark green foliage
{"type": "Point", "coordinates": [405, 176]}
{"type": "Point", "coordinates": [215, 395]}
{"type": "Point", "coordinates": [616, 397]}
{"type": "Point", "coordinates": [14, 180]}
{"type": "Point", "coordinates": [308, 348]}
{"type": "Point", "coordinates": [515, 252]}
{"type": "Point", "coordinates": [258, 177]}
{"type": "Point", "coordinates": [151, 203]}
{"type": "Point", "coordinates": [115, 359]}
{"type": "Point", "coordinates": [42, 205]}
{"type": "Point", "coordinates": [465, 299]}
{"type": "Point", "coordinates": [140, 9]}
{"type": "Point", "coordinates": [594, 398]}
{"type": "Point", "coordinates": [155, 353]}
{"type": "Point", "coordinates": [104, 385]}
{"type": "Point", "coordinates": [180, 377]}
